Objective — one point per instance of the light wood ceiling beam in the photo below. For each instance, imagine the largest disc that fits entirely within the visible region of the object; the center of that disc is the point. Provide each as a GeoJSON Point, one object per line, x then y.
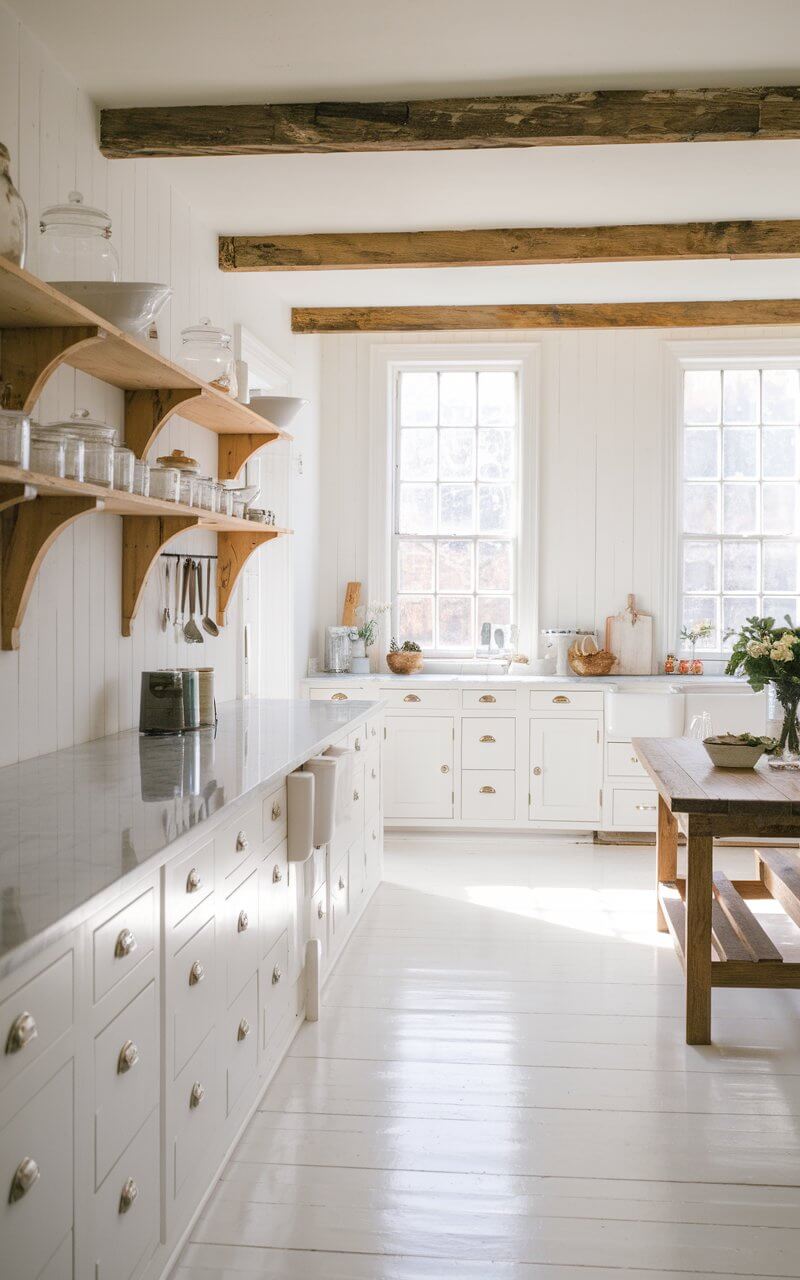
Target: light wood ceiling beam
{"type": "Point", "coordinates": [510, 246]}
{"type": "Point", "coordinates": [535, 120]}
{"type": "Point", "coordinates": [591, 315]}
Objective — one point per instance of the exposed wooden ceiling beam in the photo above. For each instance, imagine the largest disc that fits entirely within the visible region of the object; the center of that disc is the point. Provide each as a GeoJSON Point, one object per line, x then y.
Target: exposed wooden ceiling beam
{"type": "Point", "coordinates": [591, 315]}
{"type": "Point", "coordinates": [510, 246]}
{"type": "Point", "coordinates": [535, 120]}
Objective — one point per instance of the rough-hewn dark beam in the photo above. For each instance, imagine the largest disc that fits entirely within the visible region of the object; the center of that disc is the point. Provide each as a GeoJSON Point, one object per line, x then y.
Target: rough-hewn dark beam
{"type": "Point", "coordinates": [510, 246]}
{"type": "Point", "coordinates": [547, 119]}
{"type": "Point", "coordinates": [591, 315]}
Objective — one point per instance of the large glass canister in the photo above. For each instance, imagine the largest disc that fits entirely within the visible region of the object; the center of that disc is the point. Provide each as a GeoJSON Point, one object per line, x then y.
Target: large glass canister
{"type": "Point", "coordinates": [76, 243]}
{"type": "Point", "coordinates": [13, 215]}
{"type": "Point", "coordinates": [15, 438]}
{"type": "Point", "coordinates": [207, 353]}
{"type": "Point", "coordinates": [98, 439]}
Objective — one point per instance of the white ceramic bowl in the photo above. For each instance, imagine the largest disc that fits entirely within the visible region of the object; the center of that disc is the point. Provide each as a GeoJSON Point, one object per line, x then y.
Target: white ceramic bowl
{"type": "Point", "coordinates": [130, 306]}
{"type": "Point", "coordinates": [733, 755]}
{"type": "Point", "coordinates": [281, 411]}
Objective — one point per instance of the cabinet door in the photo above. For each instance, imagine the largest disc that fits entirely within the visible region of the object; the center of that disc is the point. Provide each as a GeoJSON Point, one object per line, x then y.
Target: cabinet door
{"type": "Point", "coordinates": [566, 769]}
{"type": "Point", "coordinates": [418, 767]}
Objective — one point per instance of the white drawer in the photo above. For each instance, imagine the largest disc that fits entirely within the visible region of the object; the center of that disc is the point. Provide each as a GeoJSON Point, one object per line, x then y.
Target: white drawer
{"type": "Point", "coordinates": [187, 882]}
{"type": "Point", "coordinates": [372, 784]}
{"type": "Point", "coordinates": [340, 693]}
{"type": "Point", "coordinates": [274, 898]}
{"type": "Point", "coordinates": [192, 992]}
{"type": "Point", "coordinates": [340, 891]}
{"type": "Point", "coordinates": [487, 793]}
{"type": "Point", "coordinates": [623, 762]}
{"type": "Point", "coordinates": [197, 1113]}
{"type": "Point", "coordinates": [373, 854]}
{"type": "Point", "coordinates": [239, 936]}
{"type": "Point", "coordinates": [566, 701]}
{"type": "Point", "coordinates": [489, 699]}
{"type": "Point", "coordinates": [420, 699]}
{"type": "Point", "coordinates": [240, 1043]}
{"type": "Point", "coordinates": [60, 1265]}
{"type": "Point", "coordinates": [634, 808]}
{"type": "Point", "coordinates": [35, 1017]}
{"type": "Point", "coordinates": [125, 1078]}
{"type": "Point", "coordinates": [126, 1208]}
{"type": "Point", "coordinates": [122, 942]}
{"type": "Point", "coordinates": [236, 840]}
{"type": "Point", "coordinates": [273, 818]}
{"type": "Point", "coordinates": [275, 992]}
{"type": "Point", "coordinates": [32, 1226]}
{"type": "Point", "coordinates": [488, 742]}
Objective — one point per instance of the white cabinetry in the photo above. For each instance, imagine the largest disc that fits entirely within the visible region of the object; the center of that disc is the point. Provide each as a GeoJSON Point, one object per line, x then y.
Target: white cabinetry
{"type": "Point", "coordinates": [418, 766]}
{"type": "Point", "coordinates": [566, 769]}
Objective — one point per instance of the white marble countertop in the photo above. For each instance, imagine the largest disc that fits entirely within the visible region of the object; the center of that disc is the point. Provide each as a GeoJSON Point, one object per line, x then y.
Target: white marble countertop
{"type": "Point", "coordinates": [659, 681]}
{"type": "Point", "coordinates": [75, 823]}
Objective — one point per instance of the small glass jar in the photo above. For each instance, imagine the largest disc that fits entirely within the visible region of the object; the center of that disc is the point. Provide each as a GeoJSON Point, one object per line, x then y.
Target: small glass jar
{"type": "Point", "coordinates": [98, 463]}
{"type": "Point", "coordinates": [98, 440]}
{"type": "Point", "coordinates": [48, 452]}
{"type": "Point", "coordinates": [13, 215]}
{"type": "Point", "coordinates": [257, 514]}
{"type": "Point", "coordinates": [165, 483]}
{"type": "Point", "coordinates": [141, 478]}
{"type": "Point", "coordinates": [188, 486]}
{"type": "Point", "coordinates": [76, 243]}
{"type": "Point", "coordinates": [225, 501]}
{"type": "Point", "coordinates": [123, 469]}
{"type": "Point", "coordinates": [217, 492]}
{"type": "Point", "coordinates": [239, 509]}
{"type": "Point", "coordinates": [207, 353]}
{"type": "Point", "coordinates": [15, 438]}
{"type": "Point", "coordinates": [204, 494]}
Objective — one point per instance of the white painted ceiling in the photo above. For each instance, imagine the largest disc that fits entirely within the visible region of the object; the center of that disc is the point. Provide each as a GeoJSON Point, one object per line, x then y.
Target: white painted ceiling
{"type": "Point", "coordinates": [193, 51]}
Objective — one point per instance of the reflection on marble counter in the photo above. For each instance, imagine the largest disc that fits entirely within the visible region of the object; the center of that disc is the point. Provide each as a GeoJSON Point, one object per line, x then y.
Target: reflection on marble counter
{"type": "Point", "coordinates": [75, 822]}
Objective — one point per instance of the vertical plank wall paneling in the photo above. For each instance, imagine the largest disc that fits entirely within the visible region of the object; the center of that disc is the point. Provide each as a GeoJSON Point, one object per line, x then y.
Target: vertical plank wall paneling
{"type": "Point", "coordinates": [603, 409]}
{"type": "Point", "coordinates": [74, 676]}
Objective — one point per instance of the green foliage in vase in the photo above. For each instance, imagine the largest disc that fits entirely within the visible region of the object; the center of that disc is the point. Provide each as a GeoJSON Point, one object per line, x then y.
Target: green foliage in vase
{"type": "Point", "coordinates": [767, 654]}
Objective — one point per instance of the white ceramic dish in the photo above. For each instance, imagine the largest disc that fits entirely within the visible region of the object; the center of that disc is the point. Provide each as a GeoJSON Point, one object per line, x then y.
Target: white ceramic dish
{"type": "Point", "coordinates": [281, 411]}
{"type": "Point", "coordinates": [129, 305]}
{"type": "Point", "coordinates": [733, 755]}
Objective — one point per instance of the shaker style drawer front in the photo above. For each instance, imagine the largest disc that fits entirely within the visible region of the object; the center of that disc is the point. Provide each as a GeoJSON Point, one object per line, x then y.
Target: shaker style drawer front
{"type": "Point", "coordinates": [192, 991]}
{"type": "Point", "coordinates": [36, 1179]}
{"type": "Point", "coordinates": [318, 923]}
{"type": "Point", "coordinates": [566, 700]}
{"type": "Point", "coordinates": [273, 898]}
{"type": "Point", "coordinates": [275, 993]}
{"type": "Point", "coordinates": [488, 742]}
{"type": "Point", "coordinates": [239, 936]}
{"type": "Point", "coordinates": [236, 840]}
{"type": "Point", "coordinates": [187, 882]}
{"type": "Point", "coordinates": [35, 1017]}
{"type": "Point", "coordinates": [126, 1208]}
{"type": "Point", "coordinates": [487, 794]}
{"type": "Point", "coordinates": [240, 1043]}
{"type": "Point", "coordinates": [489, 699]}
{"type": "Point", "coordinates": [372, 785]}
{"type": "Point", "coordinates": [420, 699]}
{"type": "Point", "coordinates": [197, 1112]}
{"type": "Point", "coordinates": [122, 942]}
{"type": "Point", "coordinates": [273, 818]}
{"type": "Point", "coordinates": [634, 808]}
{"type": "Point", "coordinates": [623, 762]}
{"type": "Point", "coordinates": [340, 693]}
{"type": "Point", "coordinates": [340, 891]}
{"type": "Point", "coordinates": [125, 1078]}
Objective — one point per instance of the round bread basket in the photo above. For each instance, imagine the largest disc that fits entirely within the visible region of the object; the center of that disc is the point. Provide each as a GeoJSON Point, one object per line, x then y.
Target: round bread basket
{"type": "Point", "coordinates": [404, 664]}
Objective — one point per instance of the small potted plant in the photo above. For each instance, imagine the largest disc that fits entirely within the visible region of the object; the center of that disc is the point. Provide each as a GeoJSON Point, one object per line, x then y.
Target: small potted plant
{"type": "Point", "coordinates": [364, 635]}
{"type": "Point", "coordinates": [404, 659]}
{"type": "Point", "coordinates": [690, 635]}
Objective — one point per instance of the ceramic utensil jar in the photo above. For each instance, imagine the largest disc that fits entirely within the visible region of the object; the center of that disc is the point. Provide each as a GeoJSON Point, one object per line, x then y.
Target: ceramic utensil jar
{"type": "Point", "coordinates": [207, 353]}
{"type": "Point", "coordinates": [13, 215]}
{"type": "Point", "coordinates": [76, 242]}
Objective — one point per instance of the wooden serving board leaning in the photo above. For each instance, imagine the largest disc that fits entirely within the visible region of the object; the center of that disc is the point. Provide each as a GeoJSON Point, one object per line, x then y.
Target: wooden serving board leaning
{"type": "Point", "coordinates": [629, 635]}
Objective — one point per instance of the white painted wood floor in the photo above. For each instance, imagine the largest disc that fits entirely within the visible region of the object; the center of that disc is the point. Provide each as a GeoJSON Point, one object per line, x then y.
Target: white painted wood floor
{"type": "Point", "coordinates": [498, 1089]}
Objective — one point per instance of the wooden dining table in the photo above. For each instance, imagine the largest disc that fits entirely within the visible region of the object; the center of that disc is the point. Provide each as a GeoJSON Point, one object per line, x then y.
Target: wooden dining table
{"type": "Point", "coordinates": [718, 938]}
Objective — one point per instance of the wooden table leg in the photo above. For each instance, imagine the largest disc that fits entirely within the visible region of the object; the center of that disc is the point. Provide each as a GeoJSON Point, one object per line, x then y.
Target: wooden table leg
{"type": "Point", "coordinates": [666, 855]}
{"type": "Point", "coordinates": [699, 892]}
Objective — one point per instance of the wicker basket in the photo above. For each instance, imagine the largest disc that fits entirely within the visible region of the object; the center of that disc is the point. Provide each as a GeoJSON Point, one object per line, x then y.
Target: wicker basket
{"type": "Point", "coordinates": [591, 664]}
{"type": "Point", "coordinates": [404, 664]}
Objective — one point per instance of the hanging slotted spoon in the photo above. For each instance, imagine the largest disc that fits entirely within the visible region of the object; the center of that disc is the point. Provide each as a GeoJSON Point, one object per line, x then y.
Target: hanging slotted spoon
{"type": "Point", "coordinates": [208, 622]}
{"type": "Point", "coordinates": [191, 632]}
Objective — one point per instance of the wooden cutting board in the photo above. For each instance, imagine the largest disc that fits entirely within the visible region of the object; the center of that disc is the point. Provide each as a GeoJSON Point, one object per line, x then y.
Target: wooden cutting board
{"type": "Point", "coordinates": [629, 635]}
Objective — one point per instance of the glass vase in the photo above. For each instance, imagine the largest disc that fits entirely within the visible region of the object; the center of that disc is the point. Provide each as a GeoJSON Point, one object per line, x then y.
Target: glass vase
{"type": "Point", "coordinates": [787, 755]}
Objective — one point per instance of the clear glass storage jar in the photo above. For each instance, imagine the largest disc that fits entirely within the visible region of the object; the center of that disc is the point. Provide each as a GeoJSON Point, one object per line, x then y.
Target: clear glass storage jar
{"type": "Point", "coordinates": [141, 478]}
{"type": "Point", "coordinates": [204, 492]}
{"type": "Point", "coordinates": [98, 440]}
{"type": "Point", "coordinates": [225, 507]}
{"type": "Point", "coordinates": [48, 451]}
{"type": "Point", "coordinates": [76, 243]}
{"type": "Point", "coordinates": [15, 438]}
{"type": "Point", "coordinates": [123, 468]}
{"type": "Point", "coordinates": [165, 483]}
{"type": "Point", "coordinates": [187, 489]}
{"type": "Point", "coordinates": [207, 353]}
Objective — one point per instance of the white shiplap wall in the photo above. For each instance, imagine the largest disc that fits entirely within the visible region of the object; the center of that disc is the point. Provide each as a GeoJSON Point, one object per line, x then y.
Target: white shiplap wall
{"type": "Point", "coordinates": [604, 412]}
{"type": "Point", "coordinates": [75, 677]}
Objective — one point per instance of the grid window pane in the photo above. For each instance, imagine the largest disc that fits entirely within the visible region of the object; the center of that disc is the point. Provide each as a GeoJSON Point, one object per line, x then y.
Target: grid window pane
{"type": "Point", "coordinates": [494, 508]}
{"type": "Point", "coordinates": [702, 397]}
{"type": "Point", "coordinates": [417, 508]}
{"type": "Point", "coordinates": [779, 453]}
{"type": "Point", "coordinates": [456, 508]}
{"type": "Point", "coordinates": [497, 399]}
{"type": "Point", "coordinates": [456, 454]}
{"type": "Point", "coordinates": [780, 395]}
{"type": "Point", "coordinates": [700, 566]}
{"type": "Point", "coordinates": [740, 508]}
{"type": "Point", "coordinates": [740, 453]}
{"type": "Point", "coordinates": [457, 400]}
{"type": "Point", "coordinates": [780, 567]}
{"type": "Point", "coordinates": [735, 612]}
{"type": "Point", "coordinates": [701, 453]}
{"type": "Point", "coordinates": [494, 566]}
{"type": "Point", "coordinates": [455, 622]}
{"type": "Point", "coordinates": [778, 607]}
{"type": "Point", "coordinates": [456, 565]}
{"type": "Point", "coordinates": [697, 609]}
{"type": "Point", "coordinates": [416, 566]}
{"type": "Point", "coordinates": [419, 397]}
{"type": "Point", "coordinates": [740, 395]}
{"type": "Point", "coordinates": [418, 453]}
{"type": "Point", "coordinates": [496, 446]}
{"type": "Point", "coordinates": [779, 509]}
{"type": "Point", "coordinates": [740, 566]}
{"type": "Point", "coordinates": [701, 508]}
{"type": "Point", "coordinates": [415, 619]}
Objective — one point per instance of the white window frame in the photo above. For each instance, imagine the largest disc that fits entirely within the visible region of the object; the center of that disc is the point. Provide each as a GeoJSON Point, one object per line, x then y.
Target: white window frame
{"type": "Point", "coordinates": [771, 353]}
{"type": "Point", "coordinates": [386, 361]}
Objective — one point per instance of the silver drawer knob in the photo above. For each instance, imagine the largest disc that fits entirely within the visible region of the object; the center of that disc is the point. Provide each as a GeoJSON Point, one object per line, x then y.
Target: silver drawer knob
{"type": "Point", "coordinates": [197, 1094]}
{"type": "Point", "coordinates": [487, 697]}
{"type": "Point", "coordinates": [276, 811]}
{"type": "Point", "coordinates": [25, 1175]}
{"type": "Point", "coordinates": [128, 1057]}
{"type": "Point", "coordinates": [644, 808]}
{"type": "Point", "coordinates": [487, 737]}
{"type": "Point", "coordinates": [374, 732]}
{"type": "Point", "coordinates": [23, 1030]}
{"type": "Point", "coordinates": [355, 795]}
{"type": "Point", "coordinates": [125, 944]}
{"type": "Point", "coordinates": [277, 875]}
{"type": "Point", "coordinates": [341, 882]}
{"type": "Point", "coordinates": [276, 975]}
{"type": "Point", "coordinates": [196, 973]}
{"type": "Point", "coordinates": [128, 1195]}
{"type": "Point", "coordinates": [193, 880]}
{"type": "Point", "coordinates": [320, 911]}
{"type": "Point", "coordinates": [374, 773]}
{"type": "Point", "coordinates": [243, 922]}
{"type": "Point", "coordinates": [487, 791]}
{"type": "Point", "coordinates": [357, 744]}
{"type": "Point", "coordinates": [244, 1030]}
{"type": "Point", "coordinates": [445, 768]}
{"type": "Point", "coordinates": [242, 842]}
{"type": "Point", "coordinates": [634, 759]}
{"type": "Point", "coordinates": [537, 773]}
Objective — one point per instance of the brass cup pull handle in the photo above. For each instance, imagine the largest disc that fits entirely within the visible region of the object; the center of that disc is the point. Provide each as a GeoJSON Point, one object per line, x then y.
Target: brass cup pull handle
{"type": "Point", "coordinates": [243, 923]}
{"type": "Point", "coordinates": [277, 875]}
{"type": "Point", "coordinates": [487, 791]}
{"type": "Point", "coordinates": [341, 882]}
{"type": "Point", "coordinates": [25, 1175]}
{"type": "Point", "coordinates": [411, 697]}
{"type": "Point", "coordinates": [445, 768]}
{"type": "Point", "coordinates": [244, 1030]}
{"type": "Point", "coordinates": [193, 881]}
{"type": "Point", "coordinates": [321, 911]}
{"type": "Point", "coordinates": [276, 811]}
{"type": "Point", "coordinates": [23, 1030]}
{"type": "Point", "coordinates": [487, 737]}
{"type": "Point", "coordinates": [128, 1057]}
{"type": "Point", "coordinates": [537, 773]}
{"type": "Point", "coordinates": [276, 975]}
{"type": "Point", "coordinates": [242, 842]}
{"type": "Point", "coordinates": [128, 1195]}
{"type": "Point", "coordinates": [561, 697]}
{"type": "Point", "coordinates": [338, 697]}
{"type": "Point", "coordinates": [487, 697]}
{"type": "Point", "coordinates": [125, 944]}
{"type": "Point", "coordinates": [196, 973]}
{"type": "Point", "coordinates": [197, 1094]}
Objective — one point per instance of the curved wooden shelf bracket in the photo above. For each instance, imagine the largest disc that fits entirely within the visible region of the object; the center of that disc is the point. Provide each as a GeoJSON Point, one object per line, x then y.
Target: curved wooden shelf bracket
{"type": "Point", "coordinates": [143, 538]}
{"type": "Point", "coordinates": [233, 552]}
{"type": "Point", "coordinates": [28, 357]}
{"type": "Point", "coordinates": [11, 494]}
{"type": "Point", "coordinates": [146, 412]}
{"type": "Point", "coordinates": [28, 531]}
{"type": "Point", "coordinates": [235, 450]}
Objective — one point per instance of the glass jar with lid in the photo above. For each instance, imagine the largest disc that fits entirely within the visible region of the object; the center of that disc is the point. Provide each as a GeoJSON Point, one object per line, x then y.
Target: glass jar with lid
{"type": "Point", "coordinates": [225, 496]}
{"type": "Point", "coordinates": [15, 438]}
{"type": "Point", "coordinates": [13, 215]}
{"type": "Point", "coordinates": [123, 468]}
{"type": "Point", "coordinates": [48, 451]}
{"type": "Point", "coordinates": [165, 483]}
{"type": "Point", "coordinates": [141, 478]}
{"type": "Point", "coordinates": [98, 440]}
{"type": "Point", "coordinates": [207, 353]}
{"type": "Point", "coordinates": [204, 492]}
{"type": "Point", "coordinates": [188, 486]}
{"type": "Point", "coordinates": [76, 243]}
